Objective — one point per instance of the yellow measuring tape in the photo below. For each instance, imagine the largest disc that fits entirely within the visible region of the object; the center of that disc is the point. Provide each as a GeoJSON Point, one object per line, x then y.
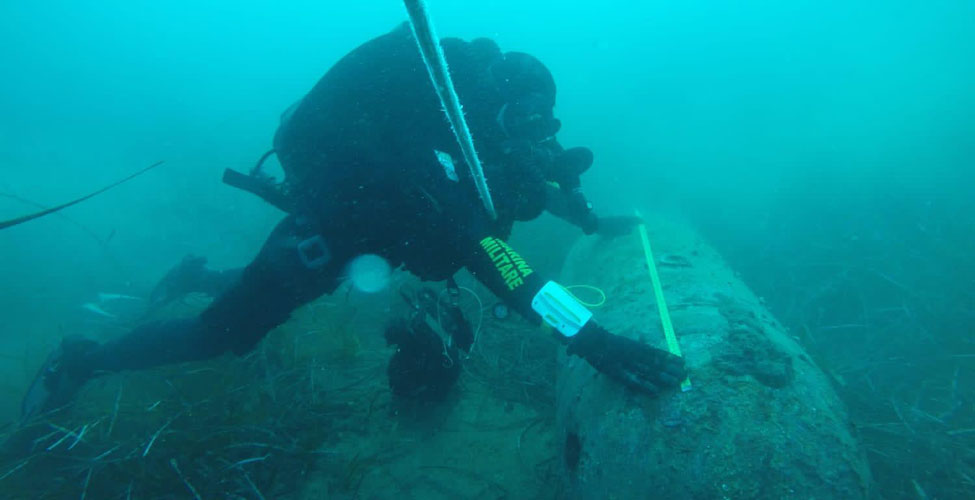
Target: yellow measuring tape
{"type": "Point", "coordinates": [658, 293]}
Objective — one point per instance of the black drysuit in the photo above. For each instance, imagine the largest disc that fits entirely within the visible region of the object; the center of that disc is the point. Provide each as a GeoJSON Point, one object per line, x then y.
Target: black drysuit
{"type": "Point", "coordinates": [365, 152]}
{"type": "Point", "coordinates": [373, 168]}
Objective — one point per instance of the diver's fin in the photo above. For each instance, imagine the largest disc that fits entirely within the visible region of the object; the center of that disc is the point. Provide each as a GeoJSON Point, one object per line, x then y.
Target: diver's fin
{"type": "Point", "coordinates": [29, 217]}
{"type": "Point", "coordinates": [38, 394]}
{"type": "Point", "coordinates": [59, 378]}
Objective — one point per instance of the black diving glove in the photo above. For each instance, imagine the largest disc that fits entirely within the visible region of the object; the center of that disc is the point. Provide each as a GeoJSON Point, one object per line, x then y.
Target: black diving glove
{"type": "Point", "coordinates": [635, 364]}
{"type": "Point", "coordinates": [615, 226]}
{"type": "Point", "coordinates": [569, 164]}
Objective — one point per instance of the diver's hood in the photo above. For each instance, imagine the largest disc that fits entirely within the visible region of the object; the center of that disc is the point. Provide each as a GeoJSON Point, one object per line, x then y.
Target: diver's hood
{"type": "Point", "coordinates": [518, 74]}
{"type": "Point", "coordinates": [528, 91]}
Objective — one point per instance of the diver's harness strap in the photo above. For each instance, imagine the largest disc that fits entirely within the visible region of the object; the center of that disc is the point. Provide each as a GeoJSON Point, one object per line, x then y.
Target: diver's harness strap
{"type": "Point", "coordinates": [560, 309]}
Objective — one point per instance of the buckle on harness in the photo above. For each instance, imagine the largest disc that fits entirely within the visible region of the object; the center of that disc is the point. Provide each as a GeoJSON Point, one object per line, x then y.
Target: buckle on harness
{"type": "Point", "coordinates": [313, 252]}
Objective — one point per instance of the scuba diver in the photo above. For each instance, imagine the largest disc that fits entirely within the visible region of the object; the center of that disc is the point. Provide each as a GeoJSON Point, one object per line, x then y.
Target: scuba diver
{"type": "Point", "coordinates": [370, 165]}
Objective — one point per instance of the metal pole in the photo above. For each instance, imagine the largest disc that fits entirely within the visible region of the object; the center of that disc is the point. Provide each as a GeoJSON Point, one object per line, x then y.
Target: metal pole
{"type": "Point", "coordinates": [433, 58]}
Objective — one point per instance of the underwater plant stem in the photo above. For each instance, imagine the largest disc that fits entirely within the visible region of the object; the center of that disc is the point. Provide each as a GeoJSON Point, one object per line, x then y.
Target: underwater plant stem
{"type": "Point", "coordinates": [254, 487]}
{"type": "Point", "coordinates": [249, 461]}
{"type": "Point", "coordinates": [78, 438]}
{"type": "Point", "coordinates": [111, 424]}
{"type": "Point", "coordinates": [175, 466]}
{"type": "Point", "coordinates": [156, 436]}
{"type": "Point", "coordinates": [436, 63]}
{"type": "Point", "coordinates": [84, 490]}
{"type": "Point", "coordinates": [900, 416]}
{"type": "Point", "coordinates": [919, 490]}
{"type": "Point", "coordinates": [59, 441]}
{"type": "Point", "coordinates": [105, 454]}
{"type": "Point", "coordinates": [959, 432]}
{"type": "Point", "coordinates": [15, 469]}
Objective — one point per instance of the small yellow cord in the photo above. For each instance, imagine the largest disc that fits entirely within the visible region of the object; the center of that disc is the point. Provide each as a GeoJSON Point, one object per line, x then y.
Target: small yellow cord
{"type": "Point", "coordinates": [602, 295]}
